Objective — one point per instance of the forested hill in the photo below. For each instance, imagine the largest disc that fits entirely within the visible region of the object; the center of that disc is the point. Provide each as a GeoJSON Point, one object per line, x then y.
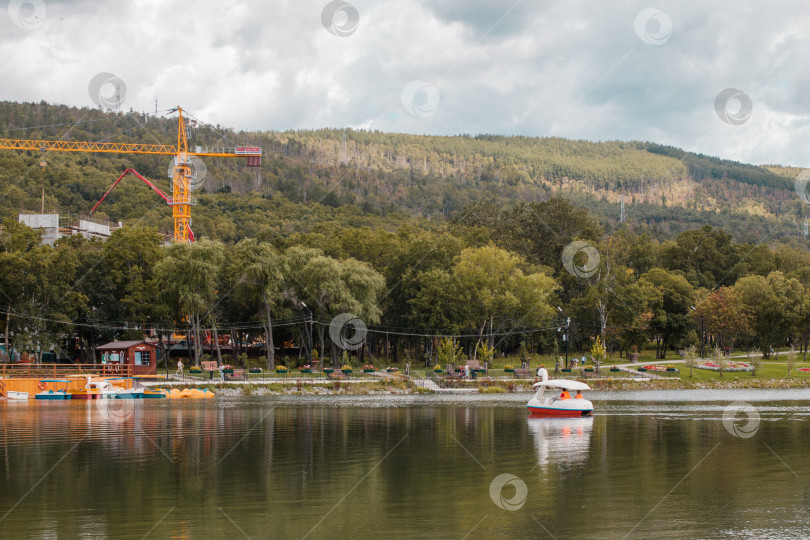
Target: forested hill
{"type": "Point", "coordinates": [367, 178]}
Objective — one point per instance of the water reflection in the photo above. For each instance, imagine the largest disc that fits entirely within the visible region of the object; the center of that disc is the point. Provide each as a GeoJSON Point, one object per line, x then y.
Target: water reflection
{"type": "Point", "coordinates": [561, 440]}
{"type": "Point", "coordinates": [377, 467]}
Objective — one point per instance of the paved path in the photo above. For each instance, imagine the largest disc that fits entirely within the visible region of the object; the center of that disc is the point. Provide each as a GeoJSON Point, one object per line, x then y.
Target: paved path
{"type": "Point", "coordinates": [430, 385]}
{"type": "Point", "coordinates": [426, 384]}
{"type": "Point", "coordinates": [641, 374]}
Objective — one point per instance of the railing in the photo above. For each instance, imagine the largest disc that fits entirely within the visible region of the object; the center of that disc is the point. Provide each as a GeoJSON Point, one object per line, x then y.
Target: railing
{"type": "Point", "coordinates": [63, 370]}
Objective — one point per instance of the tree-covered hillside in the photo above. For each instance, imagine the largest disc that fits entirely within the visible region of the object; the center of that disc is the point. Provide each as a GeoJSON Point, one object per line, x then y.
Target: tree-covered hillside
{"type": "Point", "coordinates": [385, 179]}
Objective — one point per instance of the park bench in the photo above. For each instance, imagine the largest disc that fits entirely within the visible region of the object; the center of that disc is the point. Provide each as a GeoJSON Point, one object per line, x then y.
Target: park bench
{"type": "Point", "coordinates": [523, 372]}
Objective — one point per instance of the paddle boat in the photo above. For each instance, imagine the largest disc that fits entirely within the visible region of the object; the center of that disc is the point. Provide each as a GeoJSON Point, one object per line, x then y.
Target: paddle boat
{"type": "Point", "coordinates": [127, 393]}
{"type": "Point", "coordinates": [16, 396]}
{"type": "Point", "coordinates": [91, 390]}
{"type": "Point", "coordinates": [148, 393]}
{"type": "Point", "coordinates": [187, 393]}
{"type": "Point", "coordinates": [563, 404]}
{"type": "Point", "coordinates": [52, 394]}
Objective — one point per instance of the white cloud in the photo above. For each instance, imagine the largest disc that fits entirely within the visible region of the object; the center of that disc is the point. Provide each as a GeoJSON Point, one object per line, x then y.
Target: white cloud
{"type": "Point", "coordinates": [539, 69]}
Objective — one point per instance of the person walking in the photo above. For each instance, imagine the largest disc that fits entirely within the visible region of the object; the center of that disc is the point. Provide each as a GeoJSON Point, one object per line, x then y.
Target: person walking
{"type": "Point", "coordinates": [179, 367]}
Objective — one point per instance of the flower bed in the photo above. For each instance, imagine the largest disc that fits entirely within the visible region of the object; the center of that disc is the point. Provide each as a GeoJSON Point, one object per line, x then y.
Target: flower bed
{"type": "Point", "coordinates": [730, 366]}
{"type": "Point", "coordinates": [654, 367]}
{"type": "Point", "coordinates": [803, 369]}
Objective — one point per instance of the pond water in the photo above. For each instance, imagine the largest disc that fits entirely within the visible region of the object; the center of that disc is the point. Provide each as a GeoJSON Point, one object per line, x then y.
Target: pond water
{"type": "Point", "coordinates": [648, 464]}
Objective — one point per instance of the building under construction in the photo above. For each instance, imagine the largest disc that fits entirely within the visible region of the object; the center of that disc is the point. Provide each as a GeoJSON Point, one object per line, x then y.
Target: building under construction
{"type": "Point", "coordinates": [54, 226]}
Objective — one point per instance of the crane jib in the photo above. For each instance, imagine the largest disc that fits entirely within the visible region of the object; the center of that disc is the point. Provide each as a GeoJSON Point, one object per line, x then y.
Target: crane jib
{"type": "Point", "coordinates": [124, 148]}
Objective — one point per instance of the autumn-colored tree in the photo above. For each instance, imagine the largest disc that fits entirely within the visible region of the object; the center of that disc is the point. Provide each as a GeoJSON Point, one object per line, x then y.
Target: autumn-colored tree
{"type": "Point", "coordinates": [724, 314]}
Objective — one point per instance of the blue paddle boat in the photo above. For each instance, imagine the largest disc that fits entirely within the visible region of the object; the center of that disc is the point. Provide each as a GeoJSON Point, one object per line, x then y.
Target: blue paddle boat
{"type": "Point", "coordinates": [52, 394]}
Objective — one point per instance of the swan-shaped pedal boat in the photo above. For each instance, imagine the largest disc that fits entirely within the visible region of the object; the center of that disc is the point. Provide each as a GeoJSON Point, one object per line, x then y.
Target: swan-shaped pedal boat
{"type": "Point", "coordinates": [564, 404]}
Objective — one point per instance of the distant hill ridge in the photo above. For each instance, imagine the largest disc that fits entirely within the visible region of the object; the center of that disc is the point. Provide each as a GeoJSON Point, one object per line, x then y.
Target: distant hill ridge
{"type": "Point", "coordinates": [374, 178]}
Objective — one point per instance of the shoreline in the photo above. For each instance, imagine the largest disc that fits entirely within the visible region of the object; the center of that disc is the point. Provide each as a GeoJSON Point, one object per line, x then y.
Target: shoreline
{"type": "Point", "coordinates": [409, 387]}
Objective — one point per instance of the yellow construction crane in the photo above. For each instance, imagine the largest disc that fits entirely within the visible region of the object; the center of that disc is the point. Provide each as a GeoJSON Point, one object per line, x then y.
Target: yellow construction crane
{"type": "Point", "coordinates": [180, 201]}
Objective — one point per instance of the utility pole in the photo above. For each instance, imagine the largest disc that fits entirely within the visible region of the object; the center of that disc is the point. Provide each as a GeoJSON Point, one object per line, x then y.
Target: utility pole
{"type": "Point", "coordinates": [309, 360]}
{"type": "Point", "coordinates": [308, 326]}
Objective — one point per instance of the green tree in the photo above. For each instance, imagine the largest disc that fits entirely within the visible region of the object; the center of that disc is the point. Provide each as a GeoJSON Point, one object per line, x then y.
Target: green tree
{"type": "Point", "coordinates": [499, 289]}
{"type": "Point", "coordinates": [669, 323]}
{"type": "Point", "coordinates": [36, 290]}
{"type": "Point", "coordinates": [707, 257]}
{"type": "Point", "coordinates": [130, 256]}
{"type": "Point", "coordinates": [775, 303]}
{"type": "Point", "coordinates": [331, 287]}
{"type": "Point", "coordinates": [448, 351]}
{"type": "Point", "coordinates": [190, 275]}
{"type": "Point", "coordinates": [257, 274]}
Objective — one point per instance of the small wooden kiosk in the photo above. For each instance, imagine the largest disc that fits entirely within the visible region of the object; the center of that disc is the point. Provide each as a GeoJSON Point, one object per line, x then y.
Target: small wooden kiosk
{"type": "Point", "coordinates": [141, 356]}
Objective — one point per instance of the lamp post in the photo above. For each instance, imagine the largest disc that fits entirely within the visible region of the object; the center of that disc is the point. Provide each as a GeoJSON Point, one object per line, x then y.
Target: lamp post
{"type": "Point", "coordinates": [566, 338]}
{"type": "Point", "coordinates": [566, 335]}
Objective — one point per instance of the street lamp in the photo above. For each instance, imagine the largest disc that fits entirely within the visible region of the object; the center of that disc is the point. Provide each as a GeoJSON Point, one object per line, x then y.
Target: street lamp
{"type": "Point", "coordinates": [565, 336]}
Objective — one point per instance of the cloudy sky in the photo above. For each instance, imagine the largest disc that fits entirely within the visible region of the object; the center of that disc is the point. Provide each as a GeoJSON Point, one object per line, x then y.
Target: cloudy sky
{"type": "Point", "coordinates": [713, 76]}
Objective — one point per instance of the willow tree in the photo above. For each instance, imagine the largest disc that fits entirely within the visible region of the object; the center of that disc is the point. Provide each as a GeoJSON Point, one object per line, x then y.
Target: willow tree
{"type": "Point", "coordinates": [189, 278]}
{"type": "Point", "coordinates": [331, 286]}
{"type": "Point", "coordinates": [501, 291]}
{"type": "Point", "coordinates": [257, 277]}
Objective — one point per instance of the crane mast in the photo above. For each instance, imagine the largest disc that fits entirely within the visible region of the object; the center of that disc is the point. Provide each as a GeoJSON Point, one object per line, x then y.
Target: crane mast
{"type": "Point", "coordinates": [181, 199]}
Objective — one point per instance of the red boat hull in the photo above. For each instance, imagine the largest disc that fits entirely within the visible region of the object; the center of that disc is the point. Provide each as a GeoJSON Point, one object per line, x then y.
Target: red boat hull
{"type": "Point", "coordinates": [84, 396]}
{"type": "Point", "coordinates": [562, 413]}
